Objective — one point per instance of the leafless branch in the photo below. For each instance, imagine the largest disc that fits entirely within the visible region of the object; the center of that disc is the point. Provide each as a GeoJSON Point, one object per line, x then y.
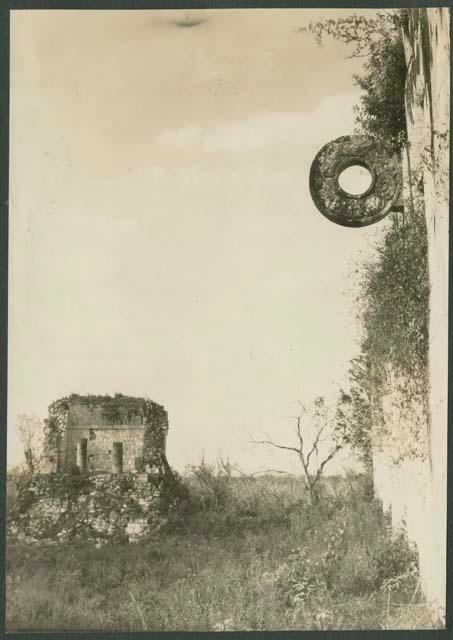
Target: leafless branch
{"type": "Point", "coordinates": [326, 460]}
{"type": "Point", "coordinates": [299, 434]}
{"type": "Point", "coordinates": [256, 473]}
{"type": "Point", "coordinates": [322, 419]}
{"type": "Point", "coordinates": [274, 444]}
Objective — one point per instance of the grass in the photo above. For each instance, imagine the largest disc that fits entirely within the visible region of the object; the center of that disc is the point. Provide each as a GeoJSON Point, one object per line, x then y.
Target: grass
{"type": "Point", "coordinates": [240, 554]}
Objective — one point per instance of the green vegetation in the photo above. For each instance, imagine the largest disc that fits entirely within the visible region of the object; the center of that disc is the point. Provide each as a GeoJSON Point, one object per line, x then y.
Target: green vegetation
{"type": "Point", "coordinates": [253, 554]}
{"type": "Point", "coordinates": [94, 507]}
{"type": "Point", "coordinates": [393, 301]}
{"type": "Point", "coordinates": [258, 553]}
{"type": "Point", "coordinates": [377, 39]}
{"type": "Point", "coordinates": [392, 309]}
{"type": "Point", "coordinates": [315, 424]}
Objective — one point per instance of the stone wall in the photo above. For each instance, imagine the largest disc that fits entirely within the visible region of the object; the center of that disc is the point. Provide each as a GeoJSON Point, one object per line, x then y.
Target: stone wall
{"type": "Point", "coordinates": [105, 434]}
{"type": "Point", "coordinates": [85, 495]}
{"type": "Point", "coordinates": [98, 508]}
{"type": "Point", "coordinates": [410, 453]}
{"type": "Point", "coordinates": [100, 447]}
{"type": "Point", "coordinates": [155, 437]}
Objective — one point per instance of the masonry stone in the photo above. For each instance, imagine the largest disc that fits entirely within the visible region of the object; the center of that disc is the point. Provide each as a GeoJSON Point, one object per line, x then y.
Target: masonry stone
{"type": "Point", "coordinates": [105, 434]}
{"type": "Point", "coordinates": [107, 476]}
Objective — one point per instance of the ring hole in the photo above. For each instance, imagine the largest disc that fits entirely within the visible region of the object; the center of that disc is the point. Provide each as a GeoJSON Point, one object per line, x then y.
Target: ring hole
{"type": "Point", "coordinates": [355, 180]}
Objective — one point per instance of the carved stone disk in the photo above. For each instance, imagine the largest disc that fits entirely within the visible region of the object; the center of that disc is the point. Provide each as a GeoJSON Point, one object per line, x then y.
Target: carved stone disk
{"type": "Point", "coordinates": [351, 210]}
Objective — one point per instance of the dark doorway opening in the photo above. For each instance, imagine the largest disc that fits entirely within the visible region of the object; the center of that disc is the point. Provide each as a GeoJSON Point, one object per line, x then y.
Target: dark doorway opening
{"type": "Point", "coordinates": [82, 455]}
{"type": "Point", "coordinates": [118, 457]}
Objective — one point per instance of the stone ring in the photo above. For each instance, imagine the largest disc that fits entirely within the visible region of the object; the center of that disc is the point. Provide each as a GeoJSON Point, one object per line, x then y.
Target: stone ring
{"type": "Point", "coordinates": [355, 210]}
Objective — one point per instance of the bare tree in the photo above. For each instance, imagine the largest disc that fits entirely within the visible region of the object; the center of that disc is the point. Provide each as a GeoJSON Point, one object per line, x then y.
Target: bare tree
{"type": "Point", "coordinates": [317, 442]}
{"type": "Point", "coordinates": [30, 433]}
{"type": "Point", "coordinates": [214, 478]}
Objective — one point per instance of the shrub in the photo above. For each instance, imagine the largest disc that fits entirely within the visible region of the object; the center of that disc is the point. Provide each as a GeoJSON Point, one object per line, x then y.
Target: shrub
{"type": "Point", "coordinates": [255, 564]}
{"type": "Point", "coordinates": [172, 492]}
{"type": "Point", "coordinates": [303, 577]}
{"type": "Point", "coordinates": [347, 550]}
{"type": "Point", "coordinates": [213, 482]}
{"type": "Point", "coordinates": [391, 559]}
{"type": "Point", "coordinates": [378, 40]}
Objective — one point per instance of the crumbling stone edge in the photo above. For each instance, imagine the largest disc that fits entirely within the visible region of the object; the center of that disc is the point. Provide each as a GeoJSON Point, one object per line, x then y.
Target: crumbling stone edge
{"type": "Point", "coordinates": [101, 508]}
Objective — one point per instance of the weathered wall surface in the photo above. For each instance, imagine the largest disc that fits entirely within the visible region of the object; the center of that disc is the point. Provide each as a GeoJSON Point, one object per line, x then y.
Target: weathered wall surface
{"type": "Point", "coordinates": [102, 425]}
{"type": "Point", "coordinates": [97, 508]}
{"type": "Point", "coordinates": [86, 431]}
{"type": "Point", "coordinates": [410, 457]}
{"type": "Point", "coordinates": [100, 447]}
{"type": "Point", "coordinates": [102, 503]}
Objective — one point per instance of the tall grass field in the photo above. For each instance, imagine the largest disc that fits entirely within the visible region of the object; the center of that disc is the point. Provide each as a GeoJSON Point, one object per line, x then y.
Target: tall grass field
{"type": "Point", "coordinates": [240, 553]}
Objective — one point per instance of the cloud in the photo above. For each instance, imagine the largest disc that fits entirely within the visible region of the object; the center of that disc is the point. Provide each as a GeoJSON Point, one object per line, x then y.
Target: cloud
{"type": "Point", "coordinates": [333, 117]}
{"type": "Point", "coordinates": [185, 138]}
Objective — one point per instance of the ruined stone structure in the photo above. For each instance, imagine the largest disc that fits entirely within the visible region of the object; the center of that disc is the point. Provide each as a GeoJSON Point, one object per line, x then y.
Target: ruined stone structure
{"type": "Point", "coordinates": [95, 434]}
{"type": "Point", "coordinates": [415, 490]}
{"type": "Point", "coordinates": [409, 432]}
{"type": "Point", "coordinates": [107, 477]}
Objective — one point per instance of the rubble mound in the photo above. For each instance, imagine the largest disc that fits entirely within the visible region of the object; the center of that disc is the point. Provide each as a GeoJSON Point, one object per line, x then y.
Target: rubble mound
{"type": "Point", "coordinates": [100, 508]}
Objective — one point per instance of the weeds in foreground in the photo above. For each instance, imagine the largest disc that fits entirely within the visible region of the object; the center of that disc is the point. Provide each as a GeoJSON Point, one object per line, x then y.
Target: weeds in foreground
{"type": "Point", "coordinates": [263, 560]}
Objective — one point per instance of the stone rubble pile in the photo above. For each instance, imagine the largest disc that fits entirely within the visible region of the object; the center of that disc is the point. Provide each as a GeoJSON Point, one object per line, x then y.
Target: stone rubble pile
{"type": "Point", "coordinates": [101, 508]}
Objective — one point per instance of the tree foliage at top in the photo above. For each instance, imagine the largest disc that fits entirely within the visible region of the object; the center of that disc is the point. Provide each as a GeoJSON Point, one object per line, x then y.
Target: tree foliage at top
{"type": "Point", "coordinates": [376, 39]}
{"type": "Point", "coordinates": [393, 304]}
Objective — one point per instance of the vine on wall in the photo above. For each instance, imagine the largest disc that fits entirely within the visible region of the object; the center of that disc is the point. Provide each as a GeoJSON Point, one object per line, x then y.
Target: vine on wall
{"type": "Point", "coordinates": [115, 409]}
{"type": "Point", "coordinates": [393, 312]}
{"type": "Point", "coordinates": [387, 402]}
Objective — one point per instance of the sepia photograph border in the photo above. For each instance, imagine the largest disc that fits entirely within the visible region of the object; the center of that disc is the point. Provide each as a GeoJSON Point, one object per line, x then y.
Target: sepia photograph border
{"type": "Point", "coordinates": [96, 5]}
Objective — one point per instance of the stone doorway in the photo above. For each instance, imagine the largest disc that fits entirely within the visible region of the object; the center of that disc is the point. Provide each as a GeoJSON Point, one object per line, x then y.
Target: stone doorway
{"type": "Point", "coordinates": [82, 455]}
{"type": "Point", "coordinates": [117, 457]}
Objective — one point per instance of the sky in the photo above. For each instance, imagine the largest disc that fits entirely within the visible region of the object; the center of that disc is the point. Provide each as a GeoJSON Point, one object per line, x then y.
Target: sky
{"type": "Point", "coordinates": [163, 242]}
